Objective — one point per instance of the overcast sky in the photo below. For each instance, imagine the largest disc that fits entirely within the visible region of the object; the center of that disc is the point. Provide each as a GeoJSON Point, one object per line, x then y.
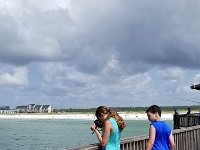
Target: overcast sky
{"type": "Point", "coordinates": [86, 53]}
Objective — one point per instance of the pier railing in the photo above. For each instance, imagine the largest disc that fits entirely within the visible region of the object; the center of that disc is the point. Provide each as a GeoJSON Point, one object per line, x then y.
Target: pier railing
{"type": "Point", "coordinates": [186, 120]}
{"type": "Point", "coordinates": [185, 139]}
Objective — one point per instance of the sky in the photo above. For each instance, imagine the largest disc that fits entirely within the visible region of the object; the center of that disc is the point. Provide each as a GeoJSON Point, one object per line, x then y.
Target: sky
{"type": "Point", "coordinates": [87, 53]}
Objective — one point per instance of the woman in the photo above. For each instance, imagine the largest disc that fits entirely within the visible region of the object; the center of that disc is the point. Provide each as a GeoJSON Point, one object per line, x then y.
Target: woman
{"type": "Point", "coordinates": [113, 125]}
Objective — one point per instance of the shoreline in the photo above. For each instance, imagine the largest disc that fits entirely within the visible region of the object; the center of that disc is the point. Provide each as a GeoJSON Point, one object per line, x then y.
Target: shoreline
{"type": "Point", "coordinates": [88, 116]}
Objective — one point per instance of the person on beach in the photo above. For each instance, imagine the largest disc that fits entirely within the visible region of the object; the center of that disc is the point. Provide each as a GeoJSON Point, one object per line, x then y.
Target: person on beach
{"type": "Point", "coordinates": [160, 134]}
{"type": "Point", "coordinates": [113, 124]}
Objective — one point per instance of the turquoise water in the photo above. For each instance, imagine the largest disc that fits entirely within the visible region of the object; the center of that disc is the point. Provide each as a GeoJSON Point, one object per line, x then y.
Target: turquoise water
{"type": "Point", "coordinates": [57, 134]}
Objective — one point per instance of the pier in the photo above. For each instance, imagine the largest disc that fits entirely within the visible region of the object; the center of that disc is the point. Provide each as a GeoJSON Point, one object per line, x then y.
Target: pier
{"type": "Point", "coordinates": [186, 120]}
{"type": "Point", "coordinates": [186, 138]}
{"type": "Point", "coordinates": [186, 135]}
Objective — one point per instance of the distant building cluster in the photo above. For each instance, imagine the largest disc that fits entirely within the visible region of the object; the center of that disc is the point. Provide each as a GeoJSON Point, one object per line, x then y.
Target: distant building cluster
{"type": "Point", "coordinates": [5, 109]}
{"type": "Point", "coordinates": [33, 108]}
{"type": "Point", "coordinates": [30, 108]}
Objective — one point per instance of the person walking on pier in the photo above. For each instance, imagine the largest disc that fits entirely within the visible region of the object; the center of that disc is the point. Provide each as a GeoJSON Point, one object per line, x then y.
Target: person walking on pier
{"type": "Point", "coordinates": [160, 134]}
{"type": "Point", "coordinates": [112, 125]}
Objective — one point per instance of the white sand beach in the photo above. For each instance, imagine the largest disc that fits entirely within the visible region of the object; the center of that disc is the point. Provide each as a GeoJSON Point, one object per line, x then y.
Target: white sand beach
{"type": "Point", "coordinates": [140, 116]}
{"type": "Point", "coordinates": [126, 116]}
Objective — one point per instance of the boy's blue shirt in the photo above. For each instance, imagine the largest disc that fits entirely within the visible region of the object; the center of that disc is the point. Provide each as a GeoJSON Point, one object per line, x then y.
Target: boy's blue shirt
{"type": "Point", "coordinates": [163, 132]}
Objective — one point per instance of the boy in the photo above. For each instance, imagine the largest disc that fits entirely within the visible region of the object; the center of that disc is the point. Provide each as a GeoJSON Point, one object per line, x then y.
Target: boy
{"type": "Point", "coordinates": [160, 134]}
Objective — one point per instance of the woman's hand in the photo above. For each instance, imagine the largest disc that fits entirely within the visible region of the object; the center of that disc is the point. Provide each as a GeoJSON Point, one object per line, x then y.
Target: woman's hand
{"type": "Point", "coordinates": [93, 127]}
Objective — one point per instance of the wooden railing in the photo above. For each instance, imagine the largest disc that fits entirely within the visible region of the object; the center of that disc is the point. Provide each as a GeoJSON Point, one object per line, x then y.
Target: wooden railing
{"type": "Point", "coordinates": [135, 143]}
{"type": "Point", "coordinates": [186, 120]}
{"type": "Point", "coordinates": [185, 139]}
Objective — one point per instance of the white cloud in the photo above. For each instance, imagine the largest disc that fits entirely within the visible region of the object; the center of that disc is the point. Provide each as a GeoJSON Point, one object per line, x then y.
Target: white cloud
{"type": "Point", "coordinates": [196, 78]}
{"type": "Point", "coordinates": [17, 77]}
{"type": "Point", "coordinates": [174, 74]}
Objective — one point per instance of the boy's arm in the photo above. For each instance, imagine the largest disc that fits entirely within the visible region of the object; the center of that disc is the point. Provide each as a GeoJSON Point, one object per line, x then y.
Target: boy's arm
{"type": "Point", "coordinates": [152, 134]}
{"type": "Point", "coordinates": [171, 140]}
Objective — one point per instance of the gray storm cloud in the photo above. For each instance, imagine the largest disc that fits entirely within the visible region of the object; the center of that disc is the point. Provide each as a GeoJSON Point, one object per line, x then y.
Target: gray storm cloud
{"type": "Point", "coordinates": [84, 50]}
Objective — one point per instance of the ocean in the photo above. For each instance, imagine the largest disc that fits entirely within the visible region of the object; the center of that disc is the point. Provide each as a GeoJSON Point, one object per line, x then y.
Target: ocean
{"type": "Point", "coordinates": [54, 134]}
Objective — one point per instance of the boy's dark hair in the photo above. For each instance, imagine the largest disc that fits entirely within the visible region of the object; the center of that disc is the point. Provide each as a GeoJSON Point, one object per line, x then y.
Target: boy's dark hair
{"type": "Point", "coordinates": [153, 109]}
